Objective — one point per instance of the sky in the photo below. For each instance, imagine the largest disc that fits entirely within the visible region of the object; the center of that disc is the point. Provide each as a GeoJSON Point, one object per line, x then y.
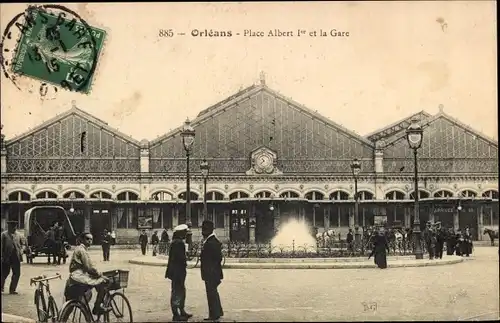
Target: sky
{"type": "Point", "coordinates": [399, 58]}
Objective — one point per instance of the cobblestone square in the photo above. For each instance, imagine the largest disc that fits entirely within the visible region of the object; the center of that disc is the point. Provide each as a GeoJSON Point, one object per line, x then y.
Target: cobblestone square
{"type": "Point", "coordinates": [449, 292]}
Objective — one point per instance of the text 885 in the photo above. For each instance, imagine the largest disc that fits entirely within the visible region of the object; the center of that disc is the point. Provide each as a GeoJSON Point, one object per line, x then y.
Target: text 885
{"type": "Point", "coordinates": [166, 33]}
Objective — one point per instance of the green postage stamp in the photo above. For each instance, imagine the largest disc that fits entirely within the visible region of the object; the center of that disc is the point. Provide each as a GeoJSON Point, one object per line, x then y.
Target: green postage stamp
{"type": "Point", "coordinates": [58, 50]}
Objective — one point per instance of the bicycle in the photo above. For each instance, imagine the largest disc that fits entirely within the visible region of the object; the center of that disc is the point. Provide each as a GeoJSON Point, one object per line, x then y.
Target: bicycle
{"type": "Point", "coordinates": [194, 257]}
{"type": "Point", "coordinates": [118, 281]}
{"type": "Point", "coordinates": [46, 310]}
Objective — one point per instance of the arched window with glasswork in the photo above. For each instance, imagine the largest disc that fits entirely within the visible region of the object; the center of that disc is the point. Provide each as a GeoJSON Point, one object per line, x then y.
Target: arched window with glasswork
{"type": "Point", "coordinates": [395, 210]}
{"type": "Point", "coordinates": [19, 203]}
{"type": "Point", "coordinates": [126, 213]}
{"type": "Point", "coordinates": [490, 210]}
{"type": "Point", "coordinates": [339, 210]}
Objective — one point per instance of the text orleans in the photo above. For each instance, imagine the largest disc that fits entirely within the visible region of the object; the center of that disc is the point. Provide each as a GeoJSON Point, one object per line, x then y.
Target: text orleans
{"type": "Point", "coordinates": [211, 33]}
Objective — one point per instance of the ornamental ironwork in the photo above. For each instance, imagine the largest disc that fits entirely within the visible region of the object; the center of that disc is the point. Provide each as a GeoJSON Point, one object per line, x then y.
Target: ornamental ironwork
{"type": "Point", "coordinates": [265, 120]}
{"type": "Point", "coordinates": [72, 144]}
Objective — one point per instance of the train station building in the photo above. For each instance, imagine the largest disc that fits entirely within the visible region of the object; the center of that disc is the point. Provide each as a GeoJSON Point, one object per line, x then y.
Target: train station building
{"type": "Point", "coordinates": [270, 159]}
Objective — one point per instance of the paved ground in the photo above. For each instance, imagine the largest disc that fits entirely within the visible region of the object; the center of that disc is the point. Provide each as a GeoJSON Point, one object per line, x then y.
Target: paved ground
{"type": "Point", "coordinates": [450, 292]}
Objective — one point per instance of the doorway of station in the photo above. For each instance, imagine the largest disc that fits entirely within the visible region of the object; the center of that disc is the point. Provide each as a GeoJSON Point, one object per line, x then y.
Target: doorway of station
{"type": "Point", "coordinates": [239, 231]}
{"type": "Point", "coordinates": [264, 222]}
{"type": "Point", "coordinates": [100, 219]}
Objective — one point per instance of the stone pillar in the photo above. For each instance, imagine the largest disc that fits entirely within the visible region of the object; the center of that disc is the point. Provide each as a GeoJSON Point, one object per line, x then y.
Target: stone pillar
{"type": "Point", "coordinates": [175, 216]}
{"type": "Point", "coordinates": [227, 224]}
{"type": "Point", "coordinates": [407, 219]}
{"type": "Point", "coordinates": [86, 216]}
{"type": "Point", "coordinates": [480, 227]}
{"type": "Point", "coordinates": [276, 219]}
{"type": "Point", "coordinates": [431, 213]}
{"type": "Point", "coordinates": [351, 218]}
{"type": "Point", "coordinates": [456, 224]}
{"type": "Point", "coordinates": [251, 234]}
{"type": "Point", "coordinates": [326, 215]}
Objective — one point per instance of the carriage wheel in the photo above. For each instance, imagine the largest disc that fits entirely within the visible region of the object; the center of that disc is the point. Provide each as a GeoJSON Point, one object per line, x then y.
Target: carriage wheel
{"type": "Point", "coordinates": [120, 308]}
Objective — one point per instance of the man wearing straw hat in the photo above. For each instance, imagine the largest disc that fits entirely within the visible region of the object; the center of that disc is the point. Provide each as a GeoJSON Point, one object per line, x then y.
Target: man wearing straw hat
{"type": "Point", "coordinates": [11, 256]}
{"type": "Point", "coordinates": [176, 272]}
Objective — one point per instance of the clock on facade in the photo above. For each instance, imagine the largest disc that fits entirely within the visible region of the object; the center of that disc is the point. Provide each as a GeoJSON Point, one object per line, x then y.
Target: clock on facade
{"type": "Point", "coordinates": [263, 162]}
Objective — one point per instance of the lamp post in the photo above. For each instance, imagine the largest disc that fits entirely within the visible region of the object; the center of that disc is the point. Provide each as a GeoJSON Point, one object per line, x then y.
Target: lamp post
{"type": "Point", "coordinates": [356, 169]}
{"type": "Point", "coordinates": [188, 135]}
{"type": "Point", "coordinates": [205, 168]}
{"type": "Point", "coordinates": [414, 135]}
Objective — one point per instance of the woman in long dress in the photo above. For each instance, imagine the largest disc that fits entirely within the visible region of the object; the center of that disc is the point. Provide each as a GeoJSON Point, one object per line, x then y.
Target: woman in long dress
{"type": "Point", "coordinates": [380, 249]}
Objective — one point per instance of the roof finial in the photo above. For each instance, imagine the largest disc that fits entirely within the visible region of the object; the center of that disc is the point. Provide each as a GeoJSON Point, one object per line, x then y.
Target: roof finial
{"type": "Point", "coordinates": [262, 78]}
{"type": "Point", "coordinates": [441, 108]}
{"type": "Point", "coordinates": [73, 103]}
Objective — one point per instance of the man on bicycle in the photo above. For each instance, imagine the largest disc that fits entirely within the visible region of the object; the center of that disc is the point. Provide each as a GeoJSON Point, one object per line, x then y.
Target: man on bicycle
{"type": "Point", "coordinates": [84, 276]}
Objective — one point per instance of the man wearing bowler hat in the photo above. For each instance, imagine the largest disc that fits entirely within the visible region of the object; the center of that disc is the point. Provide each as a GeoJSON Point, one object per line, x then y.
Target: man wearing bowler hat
{"type": "Point", "coordinates": [11, 256]}
{"type": "Point", "coordinates": [211, 269]}
{"type": "Point", "coordinates": [176, 272]}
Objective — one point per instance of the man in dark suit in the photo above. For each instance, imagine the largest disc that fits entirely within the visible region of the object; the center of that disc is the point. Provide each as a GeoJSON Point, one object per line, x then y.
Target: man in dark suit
{"type": "Point", "coordinates": [176, 272]}
{"type": "Point", "coordinates": [211, 269]}
{"type": "Point", "coordinates": [11, 256]}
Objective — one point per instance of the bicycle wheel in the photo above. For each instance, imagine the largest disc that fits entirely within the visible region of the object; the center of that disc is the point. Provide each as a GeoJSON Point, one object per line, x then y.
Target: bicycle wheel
{"type": "Point", "coordinates": [53, 311]}
{"type": "Point", "coordinates": [41, 308]}
{"type": "Point", "coordinates": [75, 311]}
{"type": "Point", "coordinates": [120, 308]}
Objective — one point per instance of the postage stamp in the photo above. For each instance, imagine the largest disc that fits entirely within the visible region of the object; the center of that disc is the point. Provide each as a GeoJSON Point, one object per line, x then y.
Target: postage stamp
{"type": "Point", "coordinates": [56, 46]}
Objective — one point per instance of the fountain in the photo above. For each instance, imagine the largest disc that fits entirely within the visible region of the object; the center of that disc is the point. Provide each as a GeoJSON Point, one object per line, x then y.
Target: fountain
{"type": "Point", "coordinates": [294, 235]}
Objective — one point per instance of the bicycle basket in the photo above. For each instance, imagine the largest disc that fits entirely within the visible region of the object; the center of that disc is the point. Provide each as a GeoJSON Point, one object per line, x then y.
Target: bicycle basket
{"type": "Point", "coordinates": [118, 278]}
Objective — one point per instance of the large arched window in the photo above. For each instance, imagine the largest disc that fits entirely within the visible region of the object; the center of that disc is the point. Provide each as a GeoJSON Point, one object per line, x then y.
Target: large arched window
{"type": "Point", "coordinates": [314, 196]}
{"type": "Point", "coordinates": [16, 210]}
{"type": "Point", "coordinates": [19, 196]}
{"type": "Point", "coordinates": [365, 195]}
{"type": "Point", "coordinates": [339, 196]}
{"type": "Point", "coordinates": [193, 196]}
{"type": "Point", "coordinates": [263, 194]}
{"type": "Point", "coordinates": [492, 194]}
{"type": "Point", "coordinates": [421, 195]}
{"type": "Point", "coordinates": [468, 193]}
{"type": "Point", "coordinates": [394, 195]}
{"type": "Point", "coordinates": [100, 195]}
{"type": "Point", "coordinates": [162, 196]}
{"type": "Point", "coordinates": [127, 196]}
{"type": "Point", "coordinates": [46, 195]}
{"type": "Point", "coordinates": [289, 194]}
{"type": "Point", "coordinates": [73, 194]}
{"type": "Point", "coordinates": [215, 196]}
{"type": "Point", "coordinates": [238, 195]}
{"type": "Point", "coordinates": [443, 194]}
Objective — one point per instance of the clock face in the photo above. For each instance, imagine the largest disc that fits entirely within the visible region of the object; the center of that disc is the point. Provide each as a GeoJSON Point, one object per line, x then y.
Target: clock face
{"type": "Point", "coordinates": [264, 161]}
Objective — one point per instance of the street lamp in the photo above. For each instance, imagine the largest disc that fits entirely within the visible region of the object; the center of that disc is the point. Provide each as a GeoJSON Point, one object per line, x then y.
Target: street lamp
{"type": "Point", "coordinates": [205, 168]}
{"type": "Point", "coordinates": [414, 135]}
{"type": "Point", "coordinates": [187, 135]}
{"type": "Point", "coordinates": [356, 169]}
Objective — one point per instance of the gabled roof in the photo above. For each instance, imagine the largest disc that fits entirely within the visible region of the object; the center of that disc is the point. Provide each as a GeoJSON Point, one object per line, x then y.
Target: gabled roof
{"type": "Point", "coordinates": [246, 93]}
{"type": "Point", "coordinates": [396, 127]}
{"type": "Point", "coordinates": [442, 114]}
{"type": "Point", "coordinates": [74, 111]}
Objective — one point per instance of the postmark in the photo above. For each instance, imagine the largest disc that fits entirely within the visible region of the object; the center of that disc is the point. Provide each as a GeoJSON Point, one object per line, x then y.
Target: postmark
{"type": "Point", "coordinates": [51, 44]}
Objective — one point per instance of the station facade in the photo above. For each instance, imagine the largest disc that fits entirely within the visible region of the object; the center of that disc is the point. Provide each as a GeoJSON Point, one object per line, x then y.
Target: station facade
{"type": "Point", "coordinates": [271, 159]}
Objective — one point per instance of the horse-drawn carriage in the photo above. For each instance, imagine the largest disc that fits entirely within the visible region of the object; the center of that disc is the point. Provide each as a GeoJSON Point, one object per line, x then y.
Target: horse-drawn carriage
{"type": "Point", "coordinates": [37, 222]}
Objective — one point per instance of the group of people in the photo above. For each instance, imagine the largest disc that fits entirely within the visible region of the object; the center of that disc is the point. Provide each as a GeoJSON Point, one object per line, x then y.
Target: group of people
{"type": "Point", "coordinates": [161, 244]}
{"type": "Point", "coordinates": [211, 271]}
{"type": "Point", "coordinates": [54, 242]}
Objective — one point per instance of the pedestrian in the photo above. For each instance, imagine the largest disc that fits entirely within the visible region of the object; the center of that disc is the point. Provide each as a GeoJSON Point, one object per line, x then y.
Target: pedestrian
{"type": "Point", "coordinates": [143, 241]}
{"type": "Point", "coordinates": [427, 239]}
{"type": "Point", "coordinates": [440, 238]}
{"type": "Point", "coordinates": [176, 272]}
{"type": "Point", "coordinates": [211, 269]}
{"type": "Point", "coordinates": [58, 242]}
{"type": "Point", "coordinates": [106, 244]}
{"type": "Point", "coordinates": [50, 243]}
{"type": "Point", "coordinates": [11, 256]}
{"type": "Point", "coordinates": [451, 242]}
{"type": "Point", "coordinates": [380, 249]}
{"type": "Point", "coordinates": [349, 240]}
{"type": "Point", "coordinates": [164, 240]}
{"type": "Point", "coordinates": [113, 237]}
{"type": "Point", "coordinates": [154, 242]}
{"type": "Point", "coordinates": [467, 243]}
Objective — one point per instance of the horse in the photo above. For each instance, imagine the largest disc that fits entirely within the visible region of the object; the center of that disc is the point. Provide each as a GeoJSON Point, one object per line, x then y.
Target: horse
{"type": "Point", "coordinates": [492, 234]}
